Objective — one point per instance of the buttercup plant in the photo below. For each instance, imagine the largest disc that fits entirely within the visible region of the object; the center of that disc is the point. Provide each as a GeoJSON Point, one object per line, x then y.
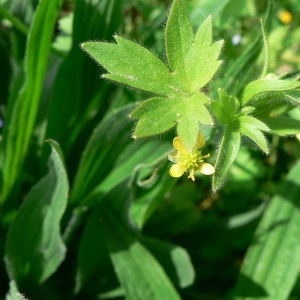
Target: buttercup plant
{"type": "Point", "coordinates": [93, 214]}
{"type": "Point", "coordinates": [180, 101]}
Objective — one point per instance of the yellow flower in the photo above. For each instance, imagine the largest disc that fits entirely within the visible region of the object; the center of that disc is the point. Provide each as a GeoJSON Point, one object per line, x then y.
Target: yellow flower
{"type": "Point", "coordinates": [191, 161]}
{"type": "Point", "coordinates": [285, 17]}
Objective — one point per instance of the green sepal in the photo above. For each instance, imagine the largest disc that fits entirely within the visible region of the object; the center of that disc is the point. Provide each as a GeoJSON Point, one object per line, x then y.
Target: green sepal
{"type": "Point", "coordinates": [251, 127]}
{"type": "Point", "coordinates": [226, 108]}
{"type": "Point", "coordinates": [158, 115]}
{"type": "Point", "coordinates": [266, 85]}
{"type": "Point", "coordinates": [227, 153]}
{"type": "Point", "coordinates": [220, 113]}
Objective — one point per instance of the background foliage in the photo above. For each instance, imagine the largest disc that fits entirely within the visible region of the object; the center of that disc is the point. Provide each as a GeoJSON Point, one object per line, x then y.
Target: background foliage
{"type": "Point", "coordinates": [92, 214]}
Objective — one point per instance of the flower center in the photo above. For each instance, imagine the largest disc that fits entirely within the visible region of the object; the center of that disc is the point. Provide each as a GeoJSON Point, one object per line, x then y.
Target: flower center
{"type": "Point", "coordinates": [190, 159]}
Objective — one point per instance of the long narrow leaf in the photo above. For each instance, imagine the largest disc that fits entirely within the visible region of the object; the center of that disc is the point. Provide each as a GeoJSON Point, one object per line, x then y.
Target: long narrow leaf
{"type": "Point", "coordinates": [20, 122]}
{"type": "Point", "coordinates": [271, 265]}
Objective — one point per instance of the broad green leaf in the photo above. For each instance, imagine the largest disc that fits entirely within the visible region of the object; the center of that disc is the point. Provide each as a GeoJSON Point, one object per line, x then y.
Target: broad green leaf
{"type": "Point", "coordinates": [133, 263]}
{"type": "Point", "coordinates": [158, 115]}
{"type": "Point", "coordinates": [138, 200]}
{"type": "Point", "coordinates": [271, 264]}
{"type": "Point", "coordinates": [36, 228]}
{"type": "Point", "coordinates": [19, 124]}
{"type": "Point", "coordinates": [74, 101]}
{"type": "Point", "coordinates": [148, 191]}
{"type": "Point", "coordinates": [174, 259]}
{"type": "Point", "coordinates": [227, 153]}
{"type": "Point", "coordinates": [133, 157]}
{"type": "Point", "coordinates": [266, 85]}
{"type": "Point", "coordinates": [106, 143]}
{"type": "Point", "coordinates": [14, 294]}
{"type": "Point", "coordinates": [94, 267]}
{"type": "Point", "coordinates": [132, 64]}
{"type": "Point", "coordinates": [283, 125]}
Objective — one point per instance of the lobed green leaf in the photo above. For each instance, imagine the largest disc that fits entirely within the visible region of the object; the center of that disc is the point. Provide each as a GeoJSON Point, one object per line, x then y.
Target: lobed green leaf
{"type": "Point", "coordinates": [132, 64]}
{"type": "Point", "coordinates": [201, 62]}
{"type": "Point", "coordinates": [179, 38]}
{"type": "Point", "coordinates": [158, 115]}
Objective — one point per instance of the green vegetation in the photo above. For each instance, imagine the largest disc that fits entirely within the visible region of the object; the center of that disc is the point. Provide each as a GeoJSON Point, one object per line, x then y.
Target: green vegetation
{"type": "Point", "coordinates": [88, 207]}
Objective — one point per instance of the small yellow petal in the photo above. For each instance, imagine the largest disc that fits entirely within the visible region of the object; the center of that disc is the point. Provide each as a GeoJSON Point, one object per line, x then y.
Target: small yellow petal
{"type": "Point", "coordinates": [177, 170]}
{"type": "Point", "coordinates": [173, 157]}
{"type": "Point", "coordinates": [200, 141]}
{"type": "Point", "coordinates": [178, 145]}
{"type": "Point", "coordinates": [206, 168]}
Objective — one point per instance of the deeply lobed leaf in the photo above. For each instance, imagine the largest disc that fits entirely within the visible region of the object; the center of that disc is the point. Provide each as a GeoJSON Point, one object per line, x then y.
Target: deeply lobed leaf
{"type": "Point", "coordinates": [157, 115]}
{"type": "Point", "coordinates": [193, 61]}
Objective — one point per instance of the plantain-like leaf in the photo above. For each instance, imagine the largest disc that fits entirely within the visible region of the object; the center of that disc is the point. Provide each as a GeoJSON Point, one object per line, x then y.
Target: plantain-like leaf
{"type": "Point", "coordinates": [227, 153]}
{"type": "Point", "coordinates": [271, 265]}
{"type": "Point", "coordinates": [23, 107]}
{"type": "Point", "coordinates": [193, 61]}
{"type": "Point", "coordinates": [134, 263]}
{"type": "Point", "coordinates": [266, 85]}
{"type": "Point", "coordinates": [174, 259]}
{"type": "Point", "coordinates": [37, 228]}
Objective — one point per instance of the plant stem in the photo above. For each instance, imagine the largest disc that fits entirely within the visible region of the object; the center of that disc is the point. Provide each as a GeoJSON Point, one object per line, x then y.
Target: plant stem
{"type": "Point", "coordinates": [15, 21]}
